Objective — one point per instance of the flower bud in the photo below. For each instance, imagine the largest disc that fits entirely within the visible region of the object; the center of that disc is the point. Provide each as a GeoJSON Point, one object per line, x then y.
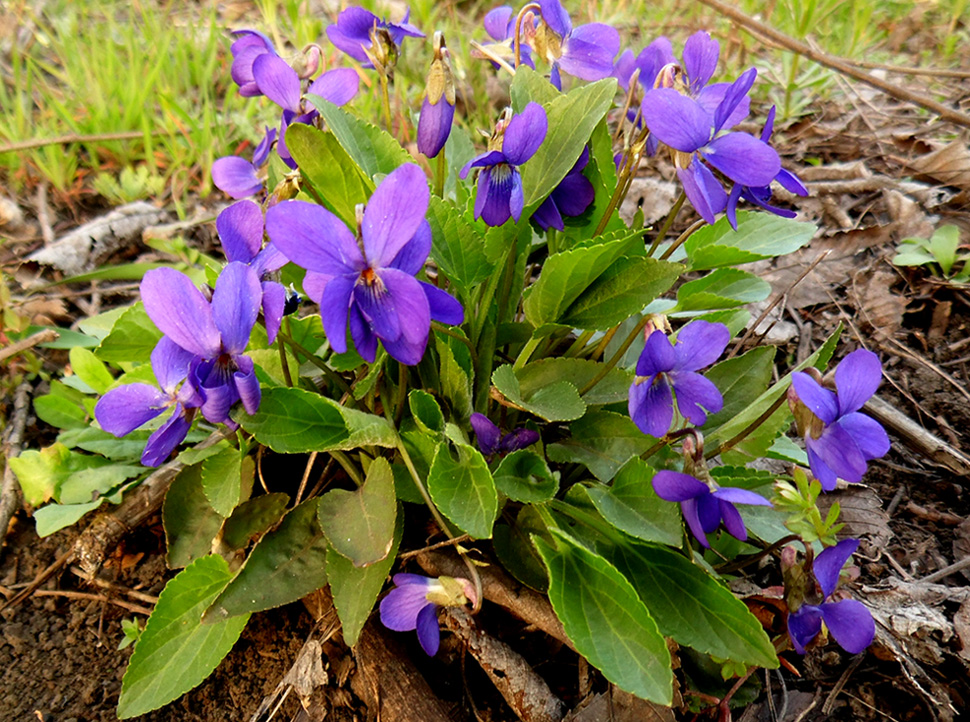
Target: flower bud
{"type": "Point", "coordinates": [438, 109]}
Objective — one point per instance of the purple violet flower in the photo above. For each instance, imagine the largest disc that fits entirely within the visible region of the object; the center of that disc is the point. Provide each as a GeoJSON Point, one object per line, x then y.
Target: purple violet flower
{"type": "Point", "coordinates": [249, 45]}
{"type": "Point", "coordinates": [357, 31]}
{"type": "Point", "coordinates": [663, 367]}
{"type": "Point", "coordinates": [840, 439]}
{"type": "Point", "coordinates": [760, 196]}
{"type": "Point", "coordinates": [570, 198]}
{"type": "Point", "coordinates": [706, 506]}
{"type": "Point", "coordinates": [369, 278]}
{"type": "Point", "coordinates": [585, 52]}
{"type": "Point", "coordinates": [124, 409]}
{"type": "Point", "coordinates": [500, 26]}
{"type": "Point", "coordinates": [848, 620]}
{"type": "Point", "coordinates": [692, 131]}
{"type": "Point", "coordinates": [240, 228]}
{"type": "Point", "coordinates": [491, 441]}
{"type": "Point", "coordinates": [239, 178]}
{"type": "Point", "coordinates": [438, 109]}
{"type": "Point", "coordinates": [515, 140]}
{"type": "Point", "coordinates": [214, 332]}
{"type": "Point", "coordinates": [650, 61]}
{"type": "Point", "coordinates": [414, 602]}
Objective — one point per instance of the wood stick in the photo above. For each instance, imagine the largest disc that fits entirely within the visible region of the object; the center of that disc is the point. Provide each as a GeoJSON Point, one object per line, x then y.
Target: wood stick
{"type": "Point", "coordinates": [10, 491]}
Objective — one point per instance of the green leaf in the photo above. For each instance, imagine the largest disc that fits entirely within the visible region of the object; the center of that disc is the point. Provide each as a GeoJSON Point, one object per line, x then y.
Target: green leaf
{"type": "Point", "coordinates": [692, 607]}
{"type": "Point", "coordinates": [293, 421]}
{"type": "Point", "coordinates": [565, 276]}
{"type": "Point", "coordinates": [739, 380]}
{"type": "Point", "coordinates": [759, 235]}
{"type": "Point", "coordinates": [360, 524]}
{"type": "Point", "coordinates": [943, 245]}
{"type": "Point", "coordinates": [60, 412]}
{"type": "Point", "coordinates": [524, 476]}
{"type": "Point", "coordinates": [558, 401]}
{"type": "Point", "coordinates": [176, 652]}
{"type": "Point", "coordinates": [603, 441]}
{"type": "Point", "coordinates": [514, 547]}
{"type": "Point", "coordinates": [132, 338]}
{"type": "Point", "coordinates": [227, 479]}
{"type": "Point", "coordinates": [286, 564]}
{"type": "Point", "coordinates": [190, 521]}
{"type": "Point", "coordinates": [252, 518]}
{"type": "Point", "coordinates": [332, 173]}
{"type": "Point", "coordinates": [530, 86]}
{"type": "Point", "coordinates": [632, 506]}
{"type": "Point", "coordinates": [372, 149]}
{"type": "Point", "coordinates": [101, 442]}
{"type": "Point", "coordinates": [457, 247]}
{"type": "Point", "coordinates": [723, 288]}
{"type": "Point", "coordinates": [90, 370]}
{"type": "Point", "coordinates": [427, 414]}
{"type": "Point", "coordinates": [355, 589]}
{"type": "Point", "coordinates": [463, 489]}
{"type": "Point", "coordinates": [613, 388]}
{"type": "Point", "coordinates": [624, 289]}
{"type": "Point", "coordinates": [606, 620]}
{"type": "Point", "coordinates": [54, 517]}
{"type": "Point", "coordinates": [572, 118]}
{"type": "Point", "coordinates": [456, 387]}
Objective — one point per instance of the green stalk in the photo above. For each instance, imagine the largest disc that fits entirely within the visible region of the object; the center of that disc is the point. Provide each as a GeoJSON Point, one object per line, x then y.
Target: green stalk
{"type": "Point", "coordinates": [441, 170]}
{"type": "Point", "coordinates": [668, 222]}
{"type": "Point", "coordinates": [386, 98]}
{"type": "Point", "coordinates": [615, 359]}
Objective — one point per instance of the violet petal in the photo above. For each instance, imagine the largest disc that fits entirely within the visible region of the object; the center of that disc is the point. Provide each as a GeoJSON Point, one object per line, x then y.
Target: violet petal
{"type": "Point", "coordinates": [828, 564]}
{"type": "Point", "coordinates": [556, 17]}
{"type": "Point", "coordinates": [700, 58]}
{"type": "Point", "coordinates": [313, 238]}
{"type": "Point", "coordinates": [240, 228]}
{"type": "Point", "coordinates": [278, 81]}
{"type": "Point", "coordinates": [170, 363]}
{"type": "Point", "coordinates": [850, 624]}
{"type": "Point", "coordinates": [803, 626]}
{"type": "Point", "coordinates": [394, 213]}
{"type": "Point", "coordinates": [868, 434]}
{"type": "Point", "coordinates": [236, 177]}
{"type": "Point", "coordinates": [688, 508]}
{"type": "Point", "coordinates": [819, 401]}
{"type": "Point", "coordinates": [525, 134]}
{"type": "Point", "coordinates": [838, 450]}
{"type": "Point", "coordinates": [166, 438]}
{"type": "Point", "coordinates": [339, 85]}
{"type": "Point", "coordinates": [675, 486]}
{"type": "Point", "coordinates": [702, 190]}
{"type": "Point", "coordinates": [274, 304]}
{"type": "Point", "coordinates": [857, 377]}
{"type": "Point", "coordinates": [699, 344]}
{"type": "Point", "coordinates": [732, 520]}
{"type": "Point", "coordinates": [743, 158]}
{"type": "Point", "coordinates": [334, 303]}
{"type": "Point", "coordinates": [124, 409]}
{"type": "Point", "coordinates": [658, 355]}
{"type": "Point", "coordinates": [235, 305]}
{"type": "Point", "coordinates": [180, 311]}
{"type": "Point", "coordinates": [486, 433]}
{"type": "Point", "coordinates": [444, 307]}
{"type": "Point", "coordinates": [696, 395]}
{"type": "Point", "coordinates": [651, 407]}
{"type": "Point", "coordinates": [429, 635]}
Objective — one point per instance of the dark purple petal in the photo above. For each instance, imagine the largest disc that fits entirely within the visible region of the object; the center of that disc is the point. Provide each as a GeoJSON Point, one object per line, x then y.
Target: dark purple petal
{"type": "Point", "coordinates": [695, 394]}
{"type": "Point", "coordinates": [850, 624]}
{"type": "Point", "coordinates": [339, 85]}
{"type": "Point", "coordinates": [268, 260]}
{"type": "Point", "coordinates": [166, 438]}
{"type": "Point", "coordinates": [498, 23]}
{"type": "Point", "coordinates": [623, 68]}
{"type": "Point", "coordinates": [247, 37]}
{"type": "Point", "coordinates": [547, 215]}
{"type": "Point", "coordinates": [429, 635]}
{"type": "Point", "coordinates": [409, 302]}
{"type": "Point", "coordinates": [769, 125]}
{"type": "Point", "coordinates": [556, 17]}
{"type": "Point", "coordinates": [653, 58]}
{"type": "Point", "coordinates": [444, 307]}
{"type": "Point", "coordinates": [702, 190]}
{"type": "Point", "coordinates": [740, 496]}
{"type": "Point", "coordinates": [820, 470]}
{"type": "Point", "coordinates": [867, 433]}
{"type": "Point", "coordinates": [124, 409]}
{"type": "Point", "coordinates": [819, 401]}
{"type": "Point", "coordinates": [334, 304]}
{"type": "Point", "coordinates": [313, 238]}
{"type": "Point", "coordinates": [247, 385]}
{"type": "Point", "coordinates": [574, 194]}
{"type": "Point", "coordinates": [589, 51]}
{"type": "Point", "coordinates": [856, 379]}
{"type": "Point", "coordinates": [700, 58]}
{"type": "Point", "coordinates": [790, 182]}
{"type": "Point", "coordinates": [379, 308]}
{"type": "Point", "coordinates": [828, 564]}
{"type": "Point", "coordinates": [525, 134]}
{"type": "Point", "coordinates": [242, 68]}
{"type": "Point", "coordinates": [434, 126]}
{"type": "Point", "coordinates": [235, 305]}
{"type": "Point", "coordinates": [364, 339]}
{"type": "Point", "coordinates": [651, 407]}
{"type": "Point", "coordinates": [518, 439]}
{"type": "Point", "coordinates": [699, 344]}
{"type": "Point", "coordinates": [841, 454]}
{"type": "Point", "coordinates": [400, 608]}
{"type": "Point", "coordinates": [240, 228]}
{"type": "Point", "coordinates": [170, 363]}
{"type": "Point", "coordinates": [803, 626]}
{"type": "Point", "coordinates": [485, 160]}
{"type": "Point", "coordinates": [278, 81]}
{"type": "Point", "coordinates": [554, 76]}
{"type": "Point", "coordinates": [516, 196]}
{"type": "Point", "coordinates": [733, 96]}
{"type": "Point", "coordinates": [261, 152]}
{"type": "Point", "coordinates": [658, 355]}
{"type": "Point", "coordinates": [743, 158]}
{"type": "Point", "coordinates": [180, 311]}
{"type": "Point", "coordinates": [351, 33]}
{"type": "Point", "coordinates": [675, 486]}
{"type": "Point", "coordinates": [412, 257]}
{"type": "Point", "coordinates": [708, 512]}
{"type": "Point", "coordinates": [486, 433]}
{"type": "Point", "coordinates": [711, 96]}
{"type": "Point", "coordinates": [274, 303]}
{"type": "Point", "coordinates": [731, 211]}
{"type": "Point", "coordinates": [689, 509]}
{"type": "Point", "coordinates": [732, 520]}
{"type": "Point", "coordinates": [394, 213]}
{"type": "Point", "coordinates": [494, 196]}
{"type": "Point", "coordinates": [236, 177]}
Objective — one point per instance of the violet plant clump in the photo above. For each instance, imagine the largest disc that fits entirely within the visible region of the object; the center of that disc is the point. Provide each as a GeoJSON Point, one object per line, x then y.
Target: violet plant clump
{"type": "Point", "coordinates": [474, 345]}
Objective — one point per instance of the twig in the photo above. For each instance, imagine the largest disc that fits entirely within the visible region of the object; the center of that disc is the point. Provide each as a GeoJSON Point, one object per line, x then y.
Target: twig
{"type": "Point", "coordinates": [946, 571]}
{"type": "Point", "coordinates": [10, 492]}
{"type": "Point", "coordinates": [43, 214]}
{"type": "Point", "coordinates": [838, 64]}
{"type": "Point", "coordinates": [830, 700]}
{"type": "Point", "coordinates": [136, 608]}
{"type": "Point", "coordinates": [446, 543]}
{"type": "Point", "coordinates": [104, 584]}
{"type": "Point", "coordinates": [55, 567]}
{"type": "Point", "coordinates": [45, 336]}
{"type": "Point", "coordinates": [75, 138]}
{"type": "Point", "coordinates": [908, 70]}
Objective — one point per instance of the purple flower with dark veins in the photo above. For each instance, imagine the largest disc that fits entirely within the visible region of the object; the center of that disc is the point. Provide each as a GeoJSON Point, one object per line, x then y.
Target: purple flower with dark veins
{"type": "Point", "coordinates": [706, 506]}
{"type": "Point", "coordinates": [215, 333]}
{"type": "Point", "coordinates": [365, 37]}
{"type": "Point", "coordinates": [570, 198]}
{"type": "Point", "coordinates": [414, 601]}
{"type": "Point", "coordinates": [438, 109]}
{"type": "Point", "coordinates": [762, 195]}
{"type": "Point", "coordinates": [664, 367]}
{"type": "Point", "coordinates": [848, 620]}
{"type": "Point", "coordinates": [240, 229]}
{"type": "Point", "coordinates": [839, 438]}
{"type": "Point", "coordinates": [491, 441]}
{"type": "Point", "coordinates": [585, 52]}
{"type": "Point", "coordinates": [124, 409]}
{"type": "Point", "coordinates": [692, 133]}
{"type": "Point", "coordinates": [368, 278]}
{"type": "Point", "coordinates": [515, 140]}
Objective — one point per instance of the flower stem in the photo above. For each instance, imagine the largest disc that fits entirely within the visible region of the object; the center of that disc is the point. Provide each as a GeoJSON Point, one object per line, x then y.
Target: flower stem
{"type": "Point", "coordinates": [738, 438]}
{"type": "Point", "coordinates": [386, 98]}
{"type": "Point", "coordinates": [682, 238]}
{"type": "Point", "coordinates": [441, 170]}
{"type": "Point", "coordinates": [526, 352]}
{"type": "Point", "coordinates": [283, 362]}
{"type": "Point", "coordinates": [517, 38]}
{"type": "Point", "coordinates": [615, 358]}
{"type": "Point", "coordinates": [668, 222]}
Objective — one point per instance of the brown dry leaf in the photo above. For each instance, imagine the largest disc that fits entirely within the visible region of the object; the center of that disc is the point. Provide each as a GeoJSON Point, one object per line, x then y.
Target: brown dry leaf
{"type": "Point", "coordinates": [862, 514]}
{"type": "Point", "coordinates": [45, 311]}
{"type": "Point", "coordinates": [619, 706]}
{"type": "Point", "coordinates": [961, 625]}
{"type": "Point", "coordinates": [909, 220]}
{"type": "Point", "coordinates": [880, 308]}
{"type": "Point", "coordinates": [949, 165]}
{"type": "Point", "coordinates": [961, 544]}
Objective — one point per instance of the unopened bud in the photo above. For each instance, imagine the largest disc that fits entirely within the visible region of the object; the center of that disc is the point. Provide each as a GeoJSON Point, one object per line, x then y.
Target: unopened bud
{"type": "Point", "coordinates": [307, 65]}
